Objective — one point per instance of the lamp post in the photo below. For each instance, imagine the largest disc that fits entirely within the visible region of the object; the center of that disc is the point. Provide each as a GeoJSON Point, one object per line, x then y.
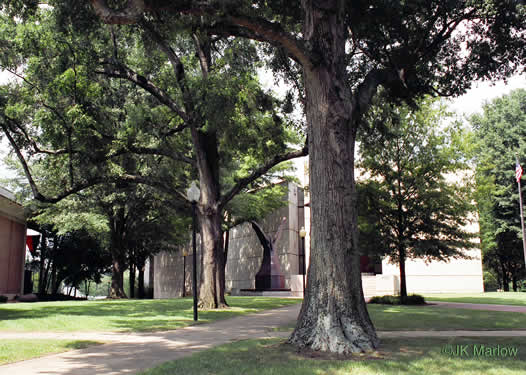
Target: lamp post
{"type": "Point", "coordinates": [303, 233]}
{"type": "Point", "coordinates": [185, 254]}
{"type": "Point", "coordinates": [193, 195]}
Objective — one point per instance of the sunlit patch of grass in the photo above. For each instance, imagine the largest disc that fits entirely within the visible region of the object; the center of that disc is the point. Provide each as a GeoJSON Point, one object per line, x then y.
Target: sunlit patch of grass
{"type": "Point", "coordinates": [408, 356]}
{"type": "Point", "coordinates": [22, 349]}
{"type": "Point", "coordinates": [401, 318]}
{"type": "Point", "coordinates": [491, 298]}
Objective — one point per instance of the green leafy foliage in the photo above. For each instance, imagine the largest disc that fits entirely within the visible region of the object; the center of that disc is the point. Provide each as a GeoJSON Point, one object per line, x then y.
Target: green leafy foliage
{"type": "Point", "coordinates": [414, 203]}
{"type": "Point", "coordinates": [499, 132]}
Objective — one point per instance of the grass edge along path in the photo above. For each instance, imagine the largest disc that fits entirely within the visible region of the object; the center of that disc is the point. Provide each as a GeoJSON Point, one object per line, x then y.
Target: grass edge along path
{"type": "Point", "coordinates": [490, 298]}
{"type": "Point", "coordinates": [409, 318]}
{"type": "Point", "coordinates": [14, 350]}
{"type": "Point", "coordinates": [408, 356]}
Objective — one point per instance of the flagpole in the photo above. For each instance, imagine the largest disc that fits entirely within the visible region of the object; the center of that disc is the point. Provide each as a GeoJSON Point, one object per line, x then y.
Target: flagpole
{"type": "Point", "coordinates": [522, 215]}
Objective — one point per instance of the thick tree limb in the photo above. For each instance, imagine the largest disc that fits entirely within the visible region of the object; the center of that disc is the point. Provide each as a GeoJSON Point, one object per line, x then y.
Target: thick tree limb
{"type": "Point", "coordinates": [130, 14]}
{"type": "Point", "coordinates": [243, 182]}
{"type": "Point", "coordinates": [362, 98]}
{"type": "Point", "coordinates": [237, 25]}
{"type": "Point", "coordinates": [176, 63]}
{"type": "Point", "coordinates": [264, 31]}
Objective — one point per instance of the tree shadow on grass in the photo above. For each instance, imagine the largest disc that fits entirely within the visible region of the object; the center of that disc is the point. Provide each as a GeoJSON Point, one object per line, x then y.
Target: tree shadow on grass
{"type": "Point", "coordinates": [81, 344]}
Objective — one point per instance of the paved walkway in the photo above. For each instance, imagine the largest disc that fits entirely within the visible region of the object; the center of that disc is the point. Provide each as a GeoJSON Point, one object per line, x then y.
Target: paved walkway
{"type": "Point", "coordinates": [131, 353]}
{"type": "Point", "coordinates": [136, 352]}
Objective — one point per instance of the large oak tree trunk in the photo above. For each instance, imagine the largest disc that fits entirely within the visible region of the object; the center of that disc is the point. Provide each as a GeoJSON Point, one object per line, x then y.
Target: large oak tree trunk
{"type": "Point", "coordinates": [334, 315]}
{"type": "Point", "coordinates": [211, 289]}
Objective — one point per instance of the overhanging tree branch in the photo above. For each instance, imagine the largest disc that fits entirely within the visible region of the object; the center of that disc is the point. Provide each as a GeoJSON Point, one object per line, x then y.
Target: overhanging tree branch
{"type": "Point", "coordinates": [130, 14]}
{"type": "Point", "coordinates": [362, 98]}
{"type": "Point", "coordinates": [89, 182]}
{"type": "Point", "coordinates": [235, 24]}
{"type": "Point", "coordinates": [243, 182]}
{"type": "Point", "coordinates": [19, 129]}
{"type": "Point", "coordinates": [175, 61]}
{"type": "Point", "coordinates": [122, 71]}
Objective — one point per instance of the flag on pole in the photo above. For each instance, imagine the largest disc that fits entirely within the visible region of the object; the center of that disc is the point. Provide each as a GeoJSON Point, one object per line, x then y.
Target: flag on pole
{"type": "Point", "coordinates": [518, 171]}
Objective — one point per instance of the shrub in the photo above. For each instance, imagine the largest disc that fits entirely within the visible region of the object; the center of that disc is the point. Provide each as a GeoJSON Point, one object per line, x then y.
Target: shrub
{"type": "Point", "coordinates": [3, 299]}
{"type": "Point", "coordinates": [491, 283]}
{"type": "Point", "coordinates": [415, 299]}
{"type": "Point", "coordinates": [386, 300]}
{"type": "Point", "coordinates": [412, 299]}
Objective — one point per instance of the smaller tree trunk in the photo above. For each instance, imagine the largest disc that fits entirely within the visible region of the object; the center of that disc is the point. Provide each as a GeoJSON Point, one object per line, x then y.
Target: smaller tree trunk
{"type": "Point", "coordinates": [42, 276]}
{"type": "Point", "coordinates": [132, 280]}
{"type": "Point", "coordinates": [403, 285]}
{"type": "Point", "coordinates": [87, 286]}
{"type": "Point", "coordinates": [117, 284]}
{"type": "Point", "coordinates": [151, 277]}
{"type": "Point", "coordinates": [141, 283]}
{"type": "Point", "coordinates": [225, 251]}
{"type": "Point", "coordinates": [505, 279]}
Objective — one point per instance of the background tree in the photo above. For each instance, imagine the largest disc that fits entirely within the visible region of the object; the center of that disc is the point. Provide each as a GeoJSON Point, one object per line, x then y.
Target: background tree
{"type": "Point", "coordinates": [219, 125]}
{"type": "Point", "coordinates": [69, 259]}
{"type": "Point", "coordinates": [500, 132]}
{"type": "Point", "coordinates": [416, 180]}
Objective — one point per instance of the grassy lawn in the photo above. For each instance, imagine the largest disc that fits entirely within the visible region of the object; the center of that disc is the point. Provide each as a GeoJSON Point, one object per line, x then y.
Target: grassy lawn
{"type": "Point", "coordinates": [408, 356]}
{"type": "Point", "coordinates": [149, 315]}
{"type": "Point", "coordinates": [123, 315]}
{"type": "Point", "coordinates": [397, 318]}
{"type": "Point", "coordinates": [417, 318]}
{"type": "Point", "coordinates": [492, 298]}
{"type": "Point", "coordinates": [22, 349]}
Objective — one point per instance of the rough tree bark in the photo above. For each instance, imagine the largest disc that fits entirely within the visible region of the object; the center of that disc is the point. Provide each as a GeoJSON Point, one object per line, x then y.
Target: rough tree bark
{"type": "Point", "coordinates": [211, 289]}
{"type": "Point", "coordinates": [333, 316]}
{"type": "Point", "coordinates": [117, 280]}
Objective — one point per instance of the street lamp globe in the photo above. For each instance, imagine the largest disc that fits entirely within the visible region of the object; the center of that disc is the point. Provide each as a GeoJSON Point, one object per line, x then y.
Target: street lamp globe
{"type": "Point", "coordinates": [193, 193]}
{"type": "Point", "coordinates": [303, 232]}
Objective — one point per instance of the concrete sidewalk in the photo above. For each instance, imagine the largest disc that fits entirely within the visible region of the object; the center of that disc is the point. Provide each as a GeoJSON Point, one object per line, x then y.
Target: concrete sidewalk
{"type": "Point", "coordinates": [136, 352]}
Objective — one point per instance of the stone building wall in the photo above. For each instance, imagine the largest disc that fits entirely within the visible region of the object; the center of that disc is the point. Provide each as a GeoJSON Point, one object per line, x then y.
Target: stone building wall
{"type": "Point", "coordinates": [244, 255]}
{"type": "Point", "coordinates": [12, 245]}
{"type": "Point", "coordinates": [246, 252]}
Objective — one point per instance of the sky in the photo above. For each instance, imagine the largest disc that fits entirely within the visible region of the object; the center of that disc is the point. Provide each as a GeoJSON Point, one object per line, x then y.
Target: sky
{"type": "Point", "coordinates": [471, 102]}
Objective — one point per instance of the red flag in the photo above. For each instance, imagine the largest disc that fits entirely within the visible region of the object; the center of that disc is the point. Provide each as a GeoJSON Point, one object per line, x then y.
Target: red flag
{"type": "Point", "coordinates": [518, 171]}
{"type": "Point", "coordinates": [29, 243]}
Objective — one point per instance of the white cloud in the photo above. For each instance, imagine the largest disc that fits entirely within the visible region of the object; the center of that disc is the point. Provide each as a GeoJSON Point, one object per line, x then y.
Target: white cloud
{"type": "Point", "coordinates": [483, 92]}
